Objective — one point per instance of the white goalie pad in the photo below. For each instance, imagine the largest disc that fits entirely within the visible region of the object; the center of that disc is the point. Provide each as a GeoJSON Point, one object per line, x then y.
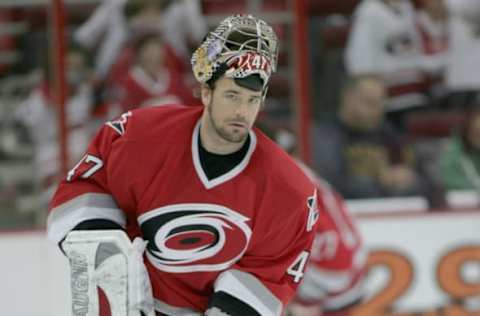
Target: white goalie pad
{"type": "Point", "coordinates": [107, 261]}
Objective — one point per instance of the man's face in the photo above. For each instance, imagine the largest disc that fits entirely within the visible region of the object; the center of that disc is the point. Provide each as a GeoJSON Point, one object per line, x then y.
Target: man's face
{"type": "Point", "coordinates": [436, 8]}
{"type": "Point", "coordinates": [366, 101]}
{"type": "Point", "coordinates": [232, 109]}
{"type": "Point", "coordinates": [151, 55]}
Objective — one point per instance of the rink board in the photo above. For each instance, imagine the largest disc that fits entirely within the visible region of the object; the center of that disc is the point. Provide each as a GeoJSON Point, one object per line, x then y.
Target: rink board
{"type": "Point", "coordinates": [419, 262]}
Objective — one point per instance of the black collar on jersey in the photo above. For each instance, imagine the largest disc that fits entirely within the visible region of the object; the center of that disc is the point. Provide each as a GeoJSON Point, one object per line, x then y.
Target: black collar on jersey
{"type": "Point", "coordinates": [215, 165]}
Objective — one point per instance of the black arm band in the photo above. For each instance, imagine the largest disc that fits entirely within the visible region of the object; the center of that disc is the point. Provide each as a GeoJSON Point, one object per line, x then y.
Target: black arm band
{"type": "Point", "coordinates": [97, 224]}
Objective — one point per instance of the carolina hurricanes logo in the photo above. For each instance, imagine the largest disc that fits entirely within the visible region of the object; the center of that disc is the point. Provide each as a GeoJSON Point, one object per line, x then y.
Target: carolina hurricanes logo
{"type": "Point", "coordinates": [194, 237]}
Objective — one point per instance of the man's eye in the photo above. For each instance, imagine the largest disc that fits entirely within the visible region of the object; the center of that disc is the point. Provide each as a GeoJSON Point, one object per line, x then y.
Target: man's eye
{"type": "Point", "coordinates": [231, 96]}
{"type": "Point", "coordinates": [254, 101]}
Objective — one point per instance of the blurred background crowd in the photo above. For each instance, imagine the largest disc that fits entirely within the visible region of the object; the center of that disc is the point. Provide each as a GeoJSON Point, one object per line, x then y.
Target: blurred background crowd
{"type": "Point", "coordinates": [395, 103]}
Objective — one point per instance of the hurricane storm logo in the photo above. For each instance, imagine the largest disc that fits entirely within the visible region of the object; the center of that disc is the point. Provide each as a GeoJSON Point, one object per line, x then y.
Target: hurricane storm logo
{"type": "Point", "coordinates": [194, 237]}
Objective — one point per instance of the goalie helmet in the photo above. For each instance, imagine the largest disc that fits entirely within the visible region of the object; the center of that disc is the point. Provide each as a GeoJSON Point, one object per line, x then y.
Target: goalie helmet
{"type": "Point", "coordinates": [240, 46]}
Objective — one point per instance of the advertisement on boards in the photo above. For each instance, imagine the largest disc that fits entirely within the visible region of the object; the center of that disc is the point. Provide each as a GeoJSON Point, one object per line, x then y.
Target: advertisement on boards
{"type": "Point", "coordinates": [424, 264]}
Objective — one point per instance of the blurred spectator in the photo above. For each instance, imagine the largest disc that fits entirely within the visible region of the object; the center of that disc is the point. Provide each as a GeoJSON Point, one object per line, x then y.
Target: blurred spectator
{"type": "Point", "coordinates": [359, 153]}
{"type": "Point", "coordinates": [460, 163]}
{"type": "Point", "coordinates": [432, 26]}
{"type": "Point", "coordinates": [383, 41]}
{"type": "Point", "coordinates": [110, 25]}
{"type": "Point", "coordinates": [184, 26]}
{"type": "Point", "coordinates": [151, 80]}
{"type": "Point", "coordinates": [464, 61]}
{"type": "Point", "coordinates": [40, 114]}
{"type": "Point", "coordinates": [107, 28]}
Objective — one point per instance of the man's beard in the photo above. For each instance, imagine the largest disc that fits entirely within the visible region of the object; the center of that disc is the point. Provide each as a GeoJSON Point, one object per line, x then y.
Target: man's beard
{"type": "Point", "coordinates": [224, 134]}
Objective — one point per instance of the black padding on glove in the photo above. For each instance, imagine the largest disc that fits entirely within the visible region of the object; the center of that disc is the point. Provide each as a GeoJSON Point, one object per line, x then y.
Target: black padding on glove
{"type": "Point", "coordinates": [230, 305]}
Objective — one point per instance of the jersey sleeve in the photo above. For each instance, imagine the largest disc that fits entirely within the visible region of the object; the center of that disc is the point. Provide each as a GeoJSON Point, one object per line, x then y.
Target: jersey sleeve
{"type": "Point", "coordinates": [267, 276]}
{"type": "Point", "coordinates": [85, 194]}
{"type": "Point", "coordinates": [336, 270]}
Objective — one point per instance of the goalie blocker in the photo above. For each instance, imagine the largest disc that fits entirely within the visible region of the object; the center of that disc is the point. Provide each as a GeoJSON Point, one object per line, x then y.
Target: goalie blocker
{"type": "Point", "coordinates": [105, 263]}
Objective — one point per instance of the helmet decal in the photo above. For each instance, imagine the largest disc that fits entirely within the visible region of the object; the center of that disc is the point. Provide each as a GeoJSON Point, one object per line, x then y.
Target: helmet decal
{"type": "Point", "coordinates": [247, 45]}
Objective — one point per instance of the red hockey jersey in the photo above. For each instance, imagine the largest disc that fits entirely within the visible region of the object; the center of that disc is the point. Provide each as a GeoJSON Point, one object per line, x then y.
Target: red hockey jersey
{"type": "Point", "coordinates": [337, 266]}
{"type": "Point", "coordinates": [247, 233]}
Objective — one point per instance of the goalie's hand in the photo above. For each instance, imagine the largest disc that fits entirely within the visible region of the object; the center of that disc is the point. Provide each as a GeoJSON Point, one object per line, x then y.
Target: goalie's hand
{"type": "Point", "coordinates": [140, 297]}
{"type": "Point", "coordinates": [108, 259]}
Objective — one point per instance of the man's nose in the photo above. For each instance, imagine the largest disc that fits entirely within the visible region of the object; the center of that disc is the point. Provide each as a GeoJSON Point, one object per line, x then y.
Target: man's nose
{"type": "Point", "coordinates": [241, 108]}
